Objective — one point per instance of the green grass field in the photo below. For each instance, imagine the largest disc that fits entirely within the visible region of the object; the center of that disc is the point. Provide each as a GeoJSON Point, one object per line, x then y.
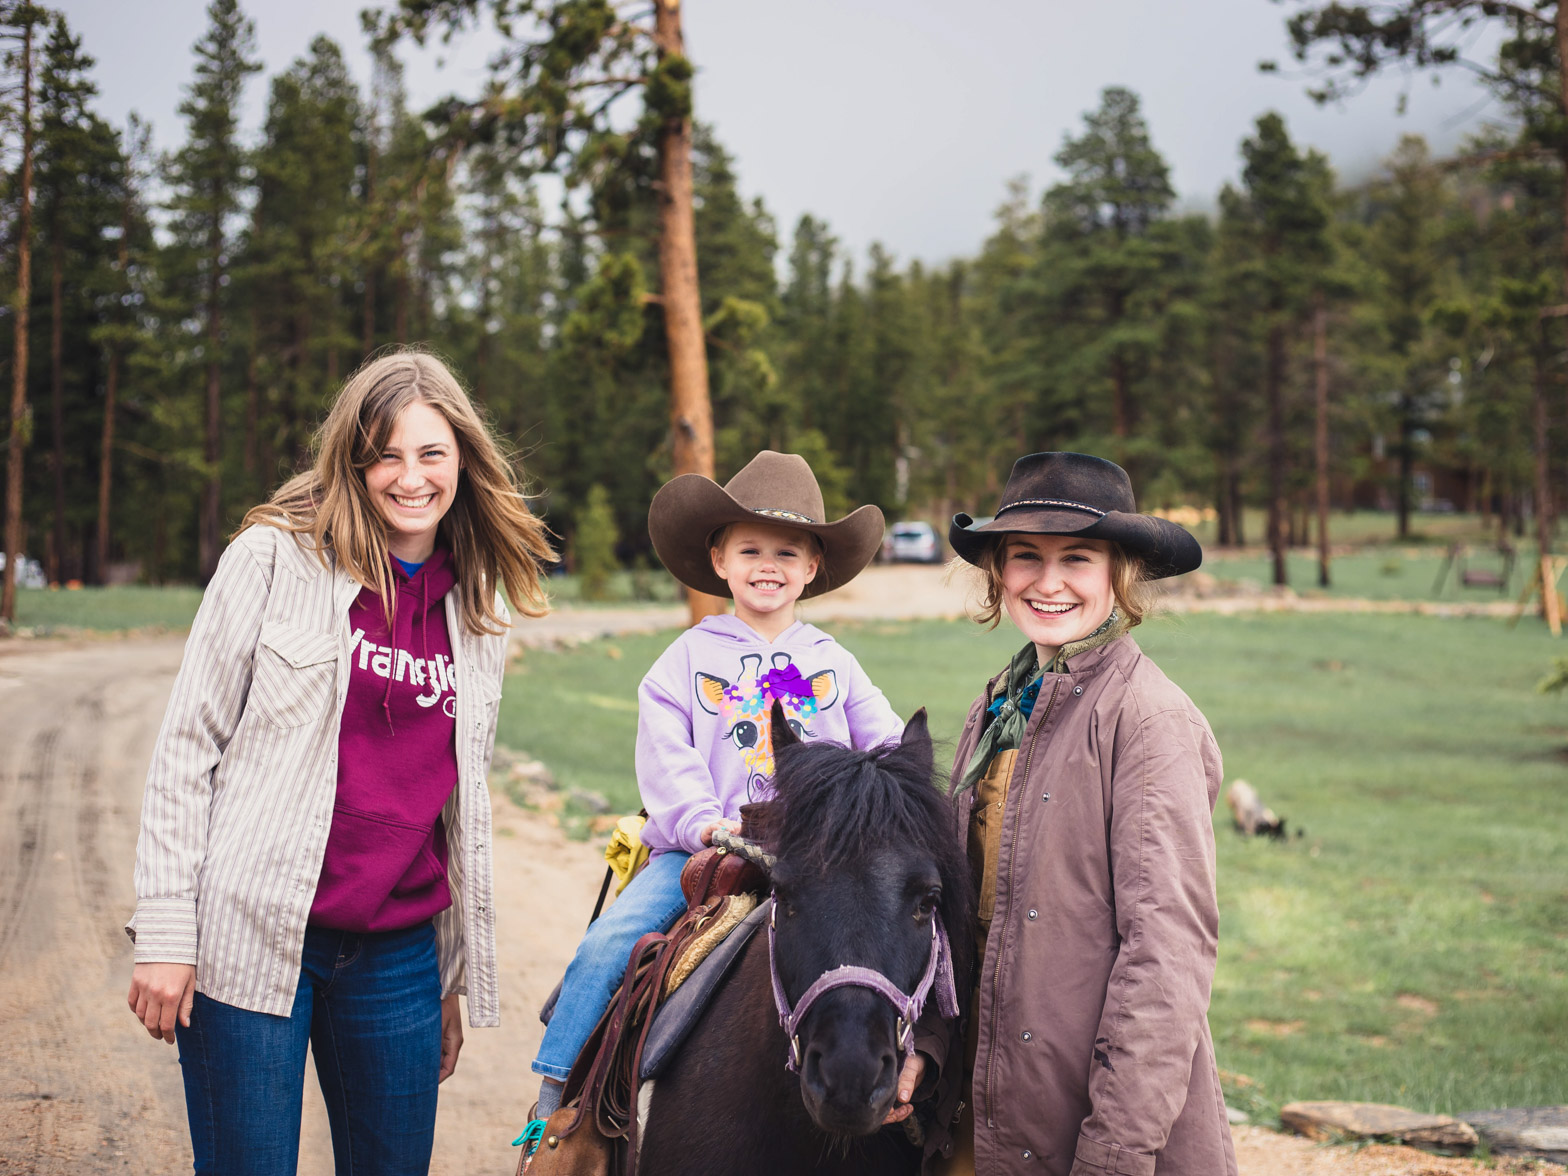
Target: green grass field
{"type": "Point", "coordinates": [130, 606]}
{"type": "Point", "coordinates": [1367, 528]}
{"type": "Point", "coordinates": [139, 606]}
{"type": "Point", "coordinates": [1381, 573]}
{"type": "Point", "coordinates": [1411, 947]}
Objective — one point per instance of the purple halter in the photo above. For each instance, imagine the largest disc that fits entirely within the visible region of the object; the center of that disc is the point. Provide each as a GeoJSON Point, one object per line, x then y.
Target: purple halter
{"type": "Point", "coordinates": [938, 974]}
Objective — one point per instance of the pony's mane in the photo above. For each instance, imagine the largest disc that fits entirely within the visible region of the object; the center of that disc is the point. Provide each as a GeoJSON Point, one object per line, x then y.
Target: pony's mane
{"type": "Point", "coordinates": [833, 805]}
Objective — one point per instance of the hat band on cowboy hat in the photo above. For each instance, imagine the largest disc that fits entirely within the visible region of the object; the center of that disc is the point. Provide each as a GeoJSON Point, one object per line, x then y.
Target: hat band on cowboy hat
{"type": "Point", "coordinates": [787, 515]}
{"type": "Point", "coordinates": [776, 489]}
{"type": "Point", "coordinates": [1052, 502]}
{"type": "Point", "coordinates": [1078, 494]}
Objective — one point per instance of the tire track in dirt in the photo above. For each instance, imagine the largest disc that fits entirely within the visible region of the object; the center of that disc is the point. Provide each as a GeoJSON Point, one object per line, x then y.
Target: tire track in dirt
{"type": "Point", "coordinates": [29, 816]}
{"type": "Point", "coordinates": [89, 861]}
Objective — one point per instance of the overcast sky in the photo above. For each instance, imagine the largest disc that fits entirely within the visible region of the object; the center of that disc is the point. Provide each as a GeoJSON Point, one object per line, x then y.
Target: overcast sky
{"type": "Point", "coordinates": [897, 121]}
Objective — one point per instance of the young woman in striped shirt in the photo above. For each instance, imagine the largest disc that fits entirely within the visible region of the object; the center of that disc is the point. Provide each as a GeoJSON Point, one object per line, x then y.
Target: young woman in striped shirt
{"type": "Point", "coordinates": [314, 859]}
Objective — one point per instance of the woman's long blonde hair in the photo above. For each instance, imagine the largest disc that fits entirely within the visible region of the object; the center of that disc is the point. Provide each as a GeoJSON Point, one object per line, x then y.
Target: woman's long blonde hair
{"type": "Point", "coordinates": [495, 540]}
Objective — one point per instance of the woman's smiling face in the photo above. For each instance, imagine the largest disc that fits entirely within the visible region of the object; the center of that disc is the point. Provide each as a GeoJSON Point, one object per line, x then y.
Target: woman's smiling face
{"type": "Point", "coordinates": [1056, 588]}
{"type": "Point", "coordinates": [413, 482]}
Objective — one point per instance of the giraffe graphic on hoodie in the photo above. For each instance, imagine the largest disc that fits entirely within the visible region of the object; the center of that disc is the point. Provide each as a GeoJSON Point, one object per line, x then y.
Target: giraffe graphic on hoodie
{"type": "Point", "coordinates": [743, 705]}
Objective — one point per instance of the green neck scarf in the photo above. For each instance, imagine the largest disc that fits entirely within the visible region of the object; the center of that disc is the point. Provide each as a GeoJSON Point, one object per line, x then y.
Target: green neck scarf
{"type": "Point", "coordinates": [1006, 729]}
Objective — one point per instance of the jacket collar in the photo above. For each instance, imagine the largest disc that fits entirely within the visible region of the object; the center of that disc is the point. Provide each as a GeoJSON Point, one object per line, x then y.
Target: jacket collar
{"type": "Point", "coordinates": [1092, 662]}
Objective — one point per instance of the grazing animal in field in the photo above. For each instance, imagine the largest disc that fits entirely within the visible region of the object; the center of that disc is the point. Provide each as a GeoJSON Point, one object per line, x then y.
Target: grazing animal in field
{"type": "Point", "coordinates": [871, 875]}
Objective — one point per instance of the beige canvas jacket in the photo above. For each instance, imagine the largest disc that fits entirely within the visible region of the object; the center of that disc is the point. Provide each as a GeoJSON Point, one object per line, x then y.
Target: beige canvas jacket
{"type": "Point", "coordinates": [239, 793]}
{"type": "Point", "coordinates": [1094, 1048]}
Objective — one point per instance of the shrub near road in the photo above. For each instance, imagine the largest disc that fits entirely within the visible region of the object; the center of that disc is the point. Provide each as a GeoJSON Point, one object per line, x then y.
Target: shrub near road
{"type": "Point", "coordinates": [1409, 948]}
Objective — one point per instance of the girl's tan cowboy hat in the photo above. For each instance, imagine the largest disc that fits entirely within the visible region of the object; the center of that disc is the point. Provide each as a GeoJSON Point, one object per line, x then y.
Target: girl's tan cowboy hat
{"type": "Point", "coordinates": [774, 488]}
{"type": "Point", "coordinates": [1076, 494]}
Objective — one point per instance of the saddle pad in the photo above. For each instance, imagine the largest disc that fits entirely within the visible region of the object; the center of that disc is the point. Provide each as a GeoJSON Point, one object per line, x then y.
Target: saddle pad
{"type": "Point", "coordinates": [682, 1009]}
{"type": "Point", "coordinates": [710, 933]}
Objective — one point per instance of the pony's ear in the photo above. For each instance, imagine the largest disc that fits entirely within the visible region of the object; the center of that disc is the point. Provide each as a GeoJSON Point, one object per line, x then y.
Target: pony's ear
{"type": "Point", "coordinates": [782, 735]}
{"type": "Point", "coordinates": [915, 743]}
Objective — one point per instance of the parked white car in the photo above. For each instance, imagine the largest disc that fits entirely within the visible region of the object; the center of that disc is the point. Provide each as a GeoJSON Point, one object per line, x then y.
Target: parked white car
{"type": "Point", "coordinates": [914, 542]}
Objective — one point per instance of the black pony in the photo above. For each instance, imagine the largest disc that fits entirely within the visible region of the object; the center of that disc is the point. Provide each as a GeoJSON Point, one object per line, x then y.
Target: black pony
{"type": "Point", "coordinates": [868, 853]}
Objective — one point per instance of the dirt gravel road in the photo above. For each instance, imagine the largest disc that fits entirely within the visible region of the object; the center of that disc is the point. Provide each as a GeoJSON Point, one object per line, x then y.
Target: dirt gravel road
{"type": "Point", "coordinates": [82, 1087]}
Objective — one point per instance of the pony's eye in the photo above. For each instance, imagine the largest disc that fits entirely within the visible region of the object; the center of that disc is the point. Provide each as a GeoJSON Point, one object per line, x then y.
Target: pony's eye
{"type": "Point", "coordinates": [744, 734]}
{"type": "Point", "coordinates": [927, 905]}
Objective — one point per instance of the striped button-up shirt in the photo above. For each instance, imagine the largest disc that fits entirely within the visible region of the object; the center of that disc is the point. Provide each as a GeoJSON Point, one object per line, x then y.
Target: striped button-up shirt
{"type": "Point", "coordinates": [243, 777]}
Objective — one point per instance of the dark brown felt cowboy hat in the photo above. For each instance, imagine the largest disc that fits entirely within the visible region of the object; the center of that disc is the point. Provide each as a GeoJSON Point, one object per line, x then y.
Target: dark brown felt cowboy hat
{"type": "Point", "coordinates": [1075, 494]}
{"type": "Point", "coordinates": [772, 488]}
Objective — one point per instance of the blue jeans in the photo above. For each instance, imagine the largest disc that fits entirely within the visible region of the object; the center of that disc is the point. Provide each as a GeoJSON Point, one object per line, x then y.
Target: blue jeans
{"type": "Point", "coordinates": [370, 1008]}
{"type": "Point", "coordinates": [652, 902]}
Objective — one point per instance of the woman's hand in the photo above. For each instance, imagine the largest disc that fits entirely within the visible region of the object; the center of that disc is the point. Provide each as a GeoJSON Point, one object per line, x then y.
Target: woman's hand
{"type": "Point", "coordinates": [451, 1035]}
{"type": "Point", "coordinates": [908, 1081]}
{"type": "Point", "coordinates": [159, 994]}
{"type": "Point", "coordinates": [713, 826]}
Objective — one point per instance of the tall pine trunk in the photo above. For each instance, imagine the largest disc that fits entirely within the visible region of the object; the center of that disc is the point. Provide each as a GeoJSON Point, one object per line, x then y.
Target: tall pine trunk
{"type": "Point", "coordinates": [1405, 463]}
{"type": "Point", "coordinates": [367, 333]}
{"type": "Point", "coordinates": [56, 553]}
{"type": "Point", "coordinates": [1320, 447]}
{"type": "Point", "coordinates": [1120, 411]}
{"type": "Point", "coordinates": [1542, 462]}
{"type": "Point", "coordinates": [1543, 486]}
{"type": "Point", "coordinates": [211, 522]}
{"type": "Point", "coordinates": [1275, 391]}
{"type": "Point", "coordinates": [691, 414]}
{"type": "Point", "coordinates": [24, 279]}
{"type": "Point", "coordinates": [252, 403]}
{"type": "Point", "coordinates": [111, 395]}
{"type": "Point", "coordinates": [1226, 531]}
{"type": "Point", "coordinates": [110, 401]}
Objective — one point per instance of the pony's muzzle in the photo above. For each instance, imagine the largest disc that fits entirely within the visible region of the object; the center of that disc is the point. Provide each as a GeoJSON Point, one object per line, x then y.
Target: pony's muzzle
{"type": "Point", "coordinates": [849, 1067]}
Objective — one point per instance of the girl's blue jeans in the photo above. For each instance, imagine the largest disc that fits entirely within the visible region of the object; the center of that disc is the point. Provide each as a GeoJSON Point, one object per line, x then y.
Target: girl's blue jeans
{"type": "Point", "coordinates": [652, 902]}
{"type": "Point", "coordinates": [369, 1006]}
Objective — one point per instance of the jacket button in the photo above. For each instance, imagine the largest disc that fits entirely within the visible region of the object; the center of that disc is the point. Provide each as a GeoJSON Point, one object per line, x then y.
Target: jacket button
{"type": "Point", "coordinates": [1027, 1154]}
{"type": "Point", "coordinates": [1045, 798]}
{"type": "Point", "coordinates": [1077, 689]}
{"type": "Point", "coordinates": [1034, 914]}
{"type": "Point", "coordinates": [1026, 1036]}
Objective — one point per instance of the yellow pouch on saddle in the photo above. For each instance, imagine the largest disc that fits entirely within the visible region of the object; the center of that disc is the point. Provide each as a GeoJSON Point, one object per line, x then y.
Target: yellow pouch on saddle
{"type": "Point", "coordinates": [625, 852]}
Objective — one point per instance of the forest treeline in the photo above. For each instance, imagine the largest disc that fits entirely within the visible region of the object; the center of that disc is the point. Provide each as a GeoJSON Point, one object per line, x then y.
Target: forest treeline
{"type": "Point", "coordinates": [192, 313]}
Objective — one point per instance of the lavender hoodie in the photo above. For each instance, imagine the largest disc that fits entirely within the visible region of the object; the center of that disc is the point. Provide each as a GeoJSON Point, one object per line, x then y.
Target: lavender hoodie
{"type": "Point", "coordinates": [704, 747]}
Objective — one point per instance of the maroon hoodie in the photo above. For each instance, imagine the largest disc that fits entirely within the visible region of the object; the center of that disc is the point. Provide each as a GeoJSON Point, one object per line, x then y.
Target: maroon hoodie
{"type": "Point", "coordinates": [385, 865]}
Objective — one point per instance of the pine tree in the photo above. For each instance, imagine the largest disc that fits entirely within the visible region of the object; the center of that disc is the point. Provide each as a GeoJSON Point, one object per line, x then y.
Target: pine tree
{"type": "Point", "coordinates": [1405, 252]}
{"type": "Point", "coordinates": [1285, 210]}
{"type": "Point", "coordinates": [123, 326]}
{"type": "Point", "coordinates": [1101, 262]}
{"type": "Point", "coordinates": [78, 176]}
{"type": "Point", "coordinates": [19, 24]}
{"type": "Point", "coordinates": [1348, 43]}
{"type": "Point", "coordinates": [568, 63]}
{"type": "Point", "coordinates": [298, 269]}
{"type": "Point", "coordinates": [207, 178]}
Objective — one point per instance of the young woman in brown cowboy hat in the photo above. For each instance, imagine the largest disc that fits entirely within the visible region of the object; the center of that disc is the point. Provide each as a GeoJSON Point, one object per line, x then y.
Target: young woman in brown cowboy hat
{"type": "Point", "coordinates": [704, 744]}
{"type": "Point", "coordinates": [1085, 782]}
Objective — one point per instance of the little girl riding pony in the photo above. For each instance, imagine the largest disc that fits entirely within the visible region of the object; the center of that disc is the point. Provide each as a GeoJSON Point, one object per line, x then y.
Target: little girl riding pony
{"type": "Point", "coordinates": [704, 743]}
